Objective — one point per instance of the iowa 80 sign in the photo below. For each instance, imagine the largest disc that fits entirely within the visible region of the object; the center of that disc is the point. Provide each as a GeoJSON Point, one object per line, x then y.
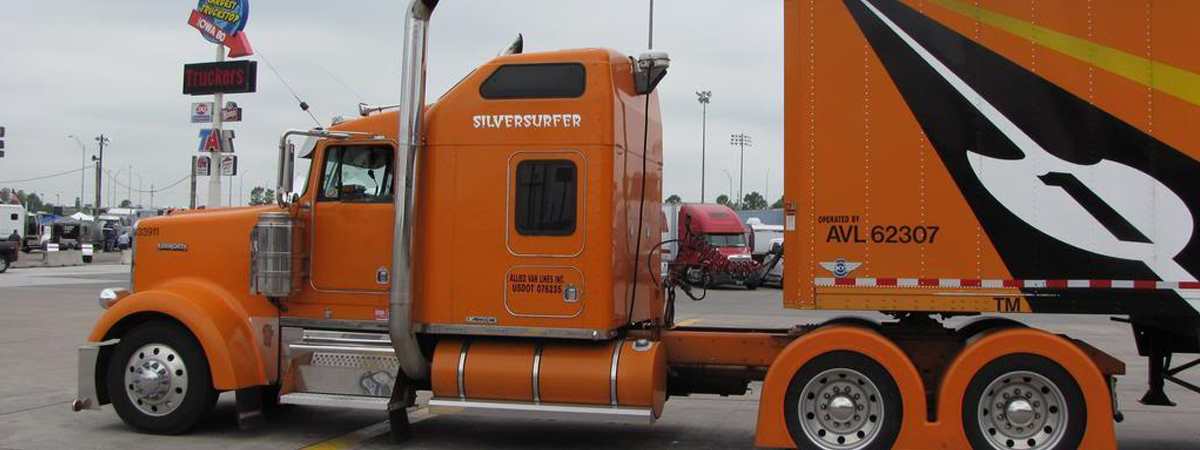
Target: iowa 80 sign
{"type": "Point", "coordinates": [222, 22]}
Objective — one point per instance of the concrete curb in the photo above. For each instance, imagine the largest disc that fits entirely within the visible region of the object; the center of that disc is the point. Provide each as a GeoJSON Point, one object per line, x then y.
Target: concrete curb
{"type": "Point", "coordinates": [65, 258]}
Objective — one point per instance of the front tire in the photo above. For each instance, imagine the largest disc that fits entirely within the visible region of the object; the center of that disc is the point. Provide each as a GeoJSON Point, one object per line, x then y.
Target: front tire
{"type": "Point", "coordinates": [843, 400]}
{"type": "Point", "coordinates": [158, 379]}
{"type": "Point", "coordinates": [1024, 402]}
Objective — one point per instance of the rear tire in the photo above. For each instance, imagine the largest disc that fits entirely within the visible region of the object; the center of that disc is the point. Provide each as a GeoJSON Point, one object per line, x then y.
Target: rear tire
{"type": "Point", "coordinates": [843, 400]}
{"type": "Point", "coordinates": [3, 264]}
{"type": "Point", "coordinates": [159, 380]}
{"type": "Point", "coordinates": [1024, 402]}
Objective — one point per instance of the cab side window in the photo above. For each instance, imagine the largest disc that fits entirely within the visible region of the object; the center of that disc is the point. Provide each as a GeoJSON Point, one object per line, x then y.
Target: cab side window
{"type": "Point", "coordinates": [545, 197]}
{"type": "Point", "coordinates": [358, 174]}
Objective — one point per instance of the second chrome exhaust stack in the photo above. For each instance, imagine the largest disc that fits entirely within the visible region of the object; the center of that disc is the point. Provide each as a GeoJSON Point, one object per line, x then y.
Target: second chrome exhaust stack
{"type": "Point", "coordinates": [412, 120]}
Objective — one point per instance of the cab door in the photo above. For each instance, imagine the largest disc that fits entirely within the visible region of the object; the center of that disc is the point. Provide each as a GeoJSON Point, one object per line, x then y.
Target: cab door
{"type": "Point", "coordinates": [352, 219]}
{"type": "Point", "coordinates": [545, 234]}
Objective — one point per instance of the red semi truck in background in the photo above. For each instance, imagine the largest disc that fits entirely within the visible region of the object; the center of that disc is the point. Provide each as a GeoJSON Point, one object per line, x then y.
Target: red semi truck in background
{"type": "Point", "coordinates": [694, 229]}
{"type": "Point", "coordinates": [943, 159]}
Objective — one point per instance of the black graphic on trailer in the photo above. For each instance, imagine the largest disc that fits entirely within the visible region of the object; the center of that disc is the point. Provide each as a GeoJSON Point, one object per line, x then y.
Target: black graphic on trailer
{"type": "Point", "coordinates": [1063, 189]}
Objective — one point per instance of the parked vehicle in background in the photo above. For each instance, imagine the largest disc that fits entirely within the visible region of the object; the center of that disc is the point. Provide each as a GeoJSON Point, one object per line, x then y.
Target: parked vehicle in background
{"type": "Point", "coordinates": [721, 229]}
{"type": "Point", "coordinates": [774, 275]}
{"type": "Point", "coordinates": [12, 228]}
{"type": "Point", "coordinates": [35, 233]}
{"type": "Point", "coordinates": [761, 237]}
{"type": "Point", "coordinates": [110, 227]}
{"type": "Point", "coordinates": [9, 251]}
{"type": "Point", "coordinates": [669, 247]}
{"type": "Point", "coordinates": [12, 220]}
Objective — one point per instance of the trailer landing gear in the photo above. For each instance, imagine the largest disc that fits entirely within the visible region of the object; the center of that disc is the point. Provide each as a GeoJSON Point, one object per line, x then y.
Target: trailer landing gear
{"type": "Point", "coordinates": [1158, 342]}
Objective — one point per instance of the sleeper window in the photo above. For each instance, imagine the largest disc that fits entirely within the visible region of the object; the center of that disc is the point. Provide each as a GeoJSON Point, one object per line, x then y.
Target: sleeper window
{"type": "Point", "coordinates": [545, 197]}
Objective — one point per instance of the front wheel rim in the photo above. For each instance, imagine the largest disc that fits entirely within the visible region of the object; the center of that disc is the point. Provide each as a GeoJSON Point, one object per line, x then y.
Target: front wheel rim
{"type": "Point", "coordinates": [1022, 410]}
{"type": "Point", "coordinates": [841, 409]}
{"type": "Point", "coordinates": [156, 379]}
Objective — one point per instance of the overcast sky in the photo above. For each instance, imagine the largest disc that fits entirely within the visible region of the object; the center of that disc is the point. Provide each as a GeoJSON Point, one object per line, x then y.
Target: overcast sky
{"type": "Point", "coordinates": [115, 67]}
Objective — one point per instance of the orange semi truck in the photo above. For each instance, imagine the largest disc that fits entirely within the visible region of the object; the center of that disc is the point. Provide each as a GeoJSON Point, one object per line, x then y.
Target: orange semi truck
{"type": "Point", "coordinates": [495, 248]}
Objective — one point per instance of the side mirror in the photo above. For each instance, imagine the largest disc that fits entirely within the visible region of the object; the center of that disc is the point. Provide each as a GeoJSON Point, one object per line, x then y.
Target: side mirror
{"type": "Point", "coordinates": [649, 70]}
{"type": "Point", "coordinates": [286, 199]}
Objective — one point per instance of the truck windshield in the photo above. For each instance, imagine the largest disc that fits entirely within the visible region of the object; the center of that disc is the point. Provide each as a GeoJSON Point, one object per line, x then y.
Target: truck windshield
{"type": "Point", "coordinates": [727, 240]}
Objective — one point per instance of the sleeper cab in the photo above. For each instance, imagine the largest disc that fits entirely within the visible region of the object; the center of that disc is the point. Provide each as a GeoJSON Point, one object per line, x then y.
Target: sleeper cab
{"type": "Point", "coordinates": [527, 199]}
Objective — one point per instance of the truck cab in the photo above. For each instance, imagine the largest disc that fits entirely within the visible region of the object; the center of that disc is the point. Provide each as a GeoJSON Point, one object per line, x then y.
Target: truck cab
{"type": "Point", "coordinates": [523, 213]}
{"type": "Point", "coordinates": [719, 226]}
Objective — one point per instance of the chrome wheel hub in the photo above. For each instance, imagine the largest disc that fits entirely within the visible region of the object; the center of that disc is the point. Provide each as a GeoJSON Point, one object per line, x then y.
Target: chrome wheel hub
{"type": "Point", "coordinates": [156, 379]}
{"type": "Point", "coordinates": [841, 409]}
{"type": "Point", "coordinates": [1022, 411]}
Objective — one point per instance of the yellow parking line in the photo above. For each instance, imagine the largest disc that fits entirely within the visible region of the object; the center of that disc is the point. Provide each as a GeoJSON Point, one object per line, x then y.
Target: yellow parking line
{"type": "Point", "coordinates": [355, 438]}
{"type": "Point", "coordinates": [685, 323]}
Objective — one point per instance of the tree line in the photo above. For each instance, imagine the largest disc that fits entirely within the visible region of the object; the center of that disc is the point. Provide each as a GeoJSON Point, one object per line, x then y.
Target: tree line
{"type": "Point", "coordinates": [752, 200]}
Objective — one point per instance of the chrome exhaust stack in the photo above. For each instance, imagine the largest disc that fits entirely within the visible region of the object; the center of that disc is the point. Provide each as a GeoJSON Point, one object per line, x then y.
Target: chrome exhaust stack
{"type": "Point", "coordinates": [412, 118]}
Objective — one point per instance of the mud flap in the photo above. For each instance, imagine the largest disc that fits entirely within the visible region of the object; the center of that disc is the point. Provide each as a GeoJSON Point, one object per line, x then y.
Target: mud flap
{"type": "Point", "coordinates": [250, 408]}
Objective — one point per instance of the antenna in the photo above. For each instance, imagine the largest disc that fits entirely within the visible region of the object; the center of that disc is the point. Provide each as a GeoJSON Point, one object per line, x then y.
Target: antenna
{"type": "Point", "coordinates": [303, 104]}
{"type": "Point", "coordinates": [651, 25]}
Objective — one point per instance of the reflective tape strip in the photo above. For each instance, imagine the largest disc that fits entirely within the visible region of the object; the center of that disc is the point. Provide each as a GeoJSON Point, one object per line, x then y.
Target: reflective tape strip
{"type": "Point", "coordinates": [969, 283]}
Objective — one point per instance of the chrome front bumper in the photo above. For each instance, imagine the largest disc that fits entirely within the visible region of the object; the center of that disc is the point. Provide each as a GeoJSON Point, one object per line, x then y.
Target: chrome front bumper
{"type": "Point", "coordinates": [89, 355]}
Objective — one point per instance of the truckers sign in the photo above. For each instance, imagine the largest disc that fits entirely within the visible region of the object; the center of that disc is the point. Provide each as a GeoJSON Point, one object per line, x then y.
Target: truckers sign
{"type": "Point", "coordinates": [221, 22]}
{"type": "Point", "coordinates": [202, 112]}
{"type": "Point", "coordinates": [227, 77]}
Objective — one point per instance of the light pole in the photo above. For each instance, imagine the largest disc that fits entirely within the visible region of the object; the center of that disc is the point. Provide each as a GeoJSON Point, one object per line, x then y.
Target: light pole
{"type": "Point", "coordinates": [112, 188]}
{"type": "Point", "coordinates": [741, 140]}
{"type": "Point", "coordinates": [139, 190]}
{"type": "Point", "coordinates": [82, 168]}
{"type": "Point", "coordinates": [100, 171]}
{"type": "Point", "coordinates": [730, 178]}
{"type": "Point", "coordinates": [703, 97]}
{"type": "Point", "coordinates": [767, 189]}
{"type": "Point", "coordinates": [241, 185]}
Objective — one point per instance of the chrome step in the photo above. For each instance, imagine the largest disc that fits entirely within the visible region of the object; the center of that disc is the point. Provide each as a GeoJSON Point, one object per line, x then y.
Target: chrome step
{"type": "Point", "coordinates": [553, 411]}
{"type": "Point", "coordinates": [337, 400]}
{"type": "Point", "coordinates": [339, 362]}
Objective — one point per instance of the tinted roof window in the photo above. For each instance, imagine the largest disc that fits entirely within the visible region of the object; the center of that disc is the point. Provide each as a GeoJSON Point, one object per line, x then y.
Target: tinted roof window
{"type": "Point", "coordinates": [535, 81]}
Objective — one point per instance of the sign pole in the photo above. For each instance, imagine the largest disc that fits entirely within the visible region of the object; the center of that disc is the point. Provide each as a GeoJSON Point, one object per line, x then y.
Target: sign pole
{"type": "Point", "coordinates": [192, 198]}
{"type": "Point", "coordinates": [214, 179]}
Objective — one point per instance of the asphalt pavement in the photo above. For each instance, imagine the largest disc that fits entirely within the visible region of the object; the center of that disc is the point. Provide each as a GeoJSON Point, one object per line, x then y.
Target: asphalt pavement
{"type": "Point", "coordinates": [48, 312]}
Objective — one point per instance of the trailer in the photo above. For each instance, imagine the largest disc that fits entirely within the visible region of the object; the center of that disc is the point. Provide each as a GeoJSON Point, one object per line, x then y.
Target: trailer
{"type": "Point", "coordinates": [499, 248]}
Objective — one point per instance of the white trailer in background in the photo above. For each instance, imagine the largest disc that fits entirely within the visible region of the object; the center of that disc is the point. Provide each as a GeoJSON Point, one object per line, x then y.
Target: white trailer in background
{"type": "Point", "coordinates": [761, 237]}
{"type": "Point", "coordinates": [12, 219]}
